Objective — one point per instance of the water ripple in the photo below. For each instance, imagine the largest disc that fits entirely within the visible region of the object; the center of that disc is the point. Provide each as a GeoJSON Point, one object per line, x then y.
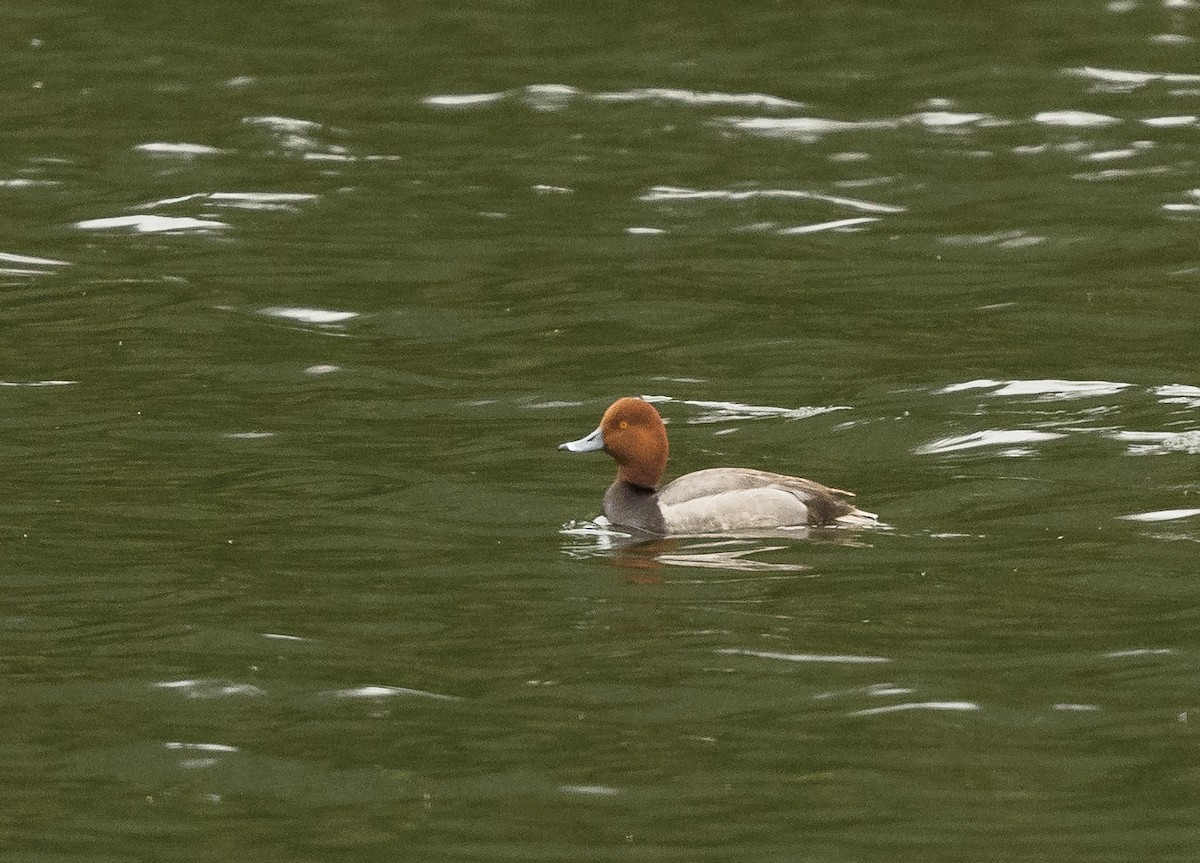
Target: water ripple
{"type": "Point", "coordinates": [1124, 80]}
{"type": "Point", "coordinates": [144, 224]}
{"type": "Point", "coordinates": [953, 706]}
{"type": "Point", "coordinates": [552, 97]}
{"type": "Point", "coordinates": [1049, 389]}
{"type": "Point", "coordinates": [179, 150]}
{"type": "Point", "coordinates": [1161, 515]}
{"type": "Point", "coordinates": [389, 692]}
{"type": "Point", "coordinates": [989, 437]}
{"type": "Point", "coordinates": [840, 659]}
{"type": "Point", "coordinates": [676, 193]}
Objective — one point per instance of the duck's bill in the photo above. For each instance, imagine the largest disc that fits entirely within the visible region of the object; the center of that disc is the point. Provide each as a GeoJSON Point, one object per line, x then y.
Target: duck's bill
{"type": "Point", "coordinates": [591, 443]}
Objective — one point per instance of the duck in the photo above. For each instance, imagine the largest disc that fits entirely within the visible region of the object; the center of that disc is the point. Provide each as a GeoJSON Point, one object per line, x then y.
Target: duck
{"type": "Point", "coordinates": [714, 500]}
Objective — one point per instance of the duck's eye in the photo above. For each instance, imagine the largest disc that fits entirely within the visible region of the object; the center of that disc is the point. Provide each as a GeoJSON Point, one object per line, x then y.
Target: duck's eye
{"type": "Point", "coordinates": [623, 424]}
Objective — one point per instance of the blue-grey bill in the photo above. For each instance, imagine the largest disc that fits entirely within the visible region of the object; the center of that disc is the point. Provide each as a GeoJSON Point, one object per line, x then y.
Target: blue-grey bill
{"type": "Point", "coordinates": [591, 443]}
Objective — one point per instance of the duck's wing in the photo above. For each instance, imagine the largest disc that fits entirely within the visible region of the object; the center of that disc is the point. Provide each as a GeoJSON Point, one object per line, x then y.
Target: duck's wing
{"type": "Point", "coordinates": [716, 480]}
{"type": "Point", "coordinates": [731, 498]}
{"type": "Point", "coordinates": [736, 509]}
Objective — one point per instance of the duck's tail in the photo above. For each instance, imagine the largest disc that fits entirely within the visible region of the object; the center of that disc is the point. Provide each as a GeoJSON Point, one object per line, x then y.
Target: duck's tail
{"type": "Point", "coordinates": [858, 518]}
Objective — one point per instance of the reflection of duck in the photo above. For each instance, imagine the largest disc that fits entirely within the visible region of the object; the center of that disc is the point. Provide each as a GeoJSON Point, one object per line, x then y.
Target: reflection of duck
{"type": "Point", "coordinates": [707, 501]}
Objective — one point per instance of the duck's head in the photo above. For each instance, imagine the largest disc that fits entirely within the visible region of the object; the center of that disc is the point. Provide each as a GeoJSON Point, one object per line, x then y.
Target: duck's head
{"type": "Point", "coordinates": [633, 433]}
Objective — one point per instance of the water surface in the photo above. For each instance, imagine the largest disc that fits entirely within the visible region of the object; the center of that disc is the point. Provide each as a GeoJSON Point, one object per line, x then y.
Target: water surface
{"type": "Point", "coordinates": [301, 300]}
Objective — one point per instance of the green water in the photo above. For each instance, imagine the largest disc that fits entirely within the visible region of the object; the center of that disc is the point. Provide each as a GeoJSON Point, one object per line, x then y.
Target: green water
{"type": "Point", "coordinates": [293, 569]}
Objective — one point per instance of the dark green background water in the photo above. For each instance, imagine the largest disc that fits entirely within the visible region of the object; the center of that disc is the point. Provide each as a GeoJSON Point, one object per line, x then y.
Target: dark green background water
{"type": "Point", "coordinates": [285, 574]}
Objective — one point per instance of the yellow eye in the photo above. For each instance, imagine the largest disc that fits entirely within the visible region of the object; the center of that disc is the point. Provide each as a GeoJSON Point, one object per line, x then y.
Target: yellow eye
{"type": "Point", "coordinates": [624, 424]}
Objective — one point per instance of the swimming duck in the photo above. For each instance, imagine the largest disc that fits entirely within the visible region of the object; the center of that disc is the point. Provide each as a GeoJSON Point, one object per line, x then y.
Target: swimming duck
{"type": "Point", "coordinates": [707, 501]}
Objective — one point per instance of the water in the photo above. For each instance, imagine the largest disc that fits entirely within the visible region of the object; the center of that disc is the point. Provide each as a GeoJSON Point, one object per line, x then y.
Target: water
{"type": "Point", "coordinates": [300, 301]}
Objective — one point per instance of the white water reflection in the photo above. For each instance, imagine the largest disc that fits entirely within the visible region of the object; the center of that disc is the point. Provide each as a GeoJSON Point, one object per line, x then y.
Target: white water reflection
{"type": "Point", "coordinates": [840, 659]}
{"type": "Point", "coordinates": [203, 688]}
{"type": "Point", "coordinates": [989, 437]}
{"type": "Point", "coordinates": [1124, 80]}
{"type": "Point", "coordinates": [308, 316]}
{"type": "Point", "coordinates": [719, 411]}
{"type": "Point", "coordinates": [678, 193]}
{"type": "Point", "coordinates": [145, 224]}
{"type": "Point", "coordinates": [733, 559]}
{"type": "Point", "coordinates": [28, 265]}
{"type": "Point", "coordinates": [239, 200]}
{"type": "Point", "coordinates": [1048, 389]}
{"type": "Point", "coordinates": [838, 224]}
{"type": "Point", "coordinates": [37, 383]}
{"type": "Point", "coordinates": [729, 552]}
{"type": "Point", "coordinates": [1139, 651]}
{"type": "Point", "coordinates": [551, 97]}
{"type": "Point", "coordinates": [10, 258]}
{"type": "Point", "coordinates": [1158, 443]}
{"type": "Point", "coordinates": [389, 692]}
{"type": "Point", "coordinates": [1075, 119]}
{"type": "Point", "coordinates": [952, 706]}
{"type": "Point", "coordinates": [1179, 394]}
{"type": "Point", "coordinates": [199, 747]}
{"type": "Point", "coordinates": [1162, 515]}
{"type": "Point", "coordinates": [807, 130]}
{"type": "Point", "coordinates": [180, 150]}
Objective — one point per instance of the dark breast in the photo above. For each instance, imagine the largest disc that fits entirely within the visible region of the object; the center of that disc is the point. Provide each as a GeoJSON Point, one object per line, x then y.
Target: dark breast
{"type": "Point", "coordinates": [633, 506]}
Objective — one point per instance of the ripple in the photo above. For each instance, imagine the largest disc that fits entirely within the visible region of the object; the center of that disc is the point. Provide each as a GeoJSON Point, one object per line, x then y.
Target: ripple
{"type": "Point", "coordinates": [37, 383]}
{"type": "Point", "coordinates": [1074, 119]}
{"type": "Point", "coordinates": [239, 200]}
{"type": "Point", "coordinates": [1161, 515]}
{"type": "Point", "coordinates": [1049, 389]}
{"type": "Point", "coordinates": [805, 129]}
{"type": "Point", "coordinates": [28, 265]}
{"type": "Point", "coordinates": [200, 747]}
{"type": "Point", "coordinates": [719, 411]}
{"type": "Point", "coordinates": [1016, 239]}
{"type": "Point", "coordinates": [202, 688]}
{"type": "Point", "coordinates": [1170, 122]}
{"type": "Point", "coordinates": [952, 706]}
{"type": "Point", "coordinates": [144, 224]}
{"type": "Point", "coordinates": [389, 692]}
{"type": "Point", "coordinates": [734, 559]}
{"type": "Point", "coordinates": [692, 97]}
{"type": "Point", "coordinates": [1139, 651]}
{"type": "Point", "coordinates": [989, 437]}
{"type": "Point", "coordinates": [552, 97]}
{"type": "Point", "coordinates": [1179, 394]}
{"type": "Point", "coordinates": [293, 134]}
{"type": "Point", "coordinates": [676, 193]}
{"type": "Point", "coordinates": [464, 100]}
{"type": "Point", "coordinates": [178, 150]}
{"type": "Point", "coordinates": [290, 125]}
{"type": "Point", "coordinates": [836, 225]}
{"type": "Point", "coordinates": [949, 119]}
{"type": "Point", "coordinates": [27, 183]}
{"type": "Point", "coordinates": [1160, 443]}
{"type": "Point", "coordinates": [838, 659]}
{"type": "Point", "coordinates": [590, 790]}
{"type": "Point", "coordinates": [308, 316]}
{"type": "Point", "coordinates": [10, 258]}
{"type": "Point", "coordinates": [1124, 80]}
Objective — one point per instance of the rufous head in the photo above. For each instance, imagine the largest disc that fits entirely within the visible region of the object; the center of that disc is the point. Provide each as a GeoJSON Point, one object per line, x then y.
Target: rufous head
{"type": "Point", "coordinates": [632, 432]}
